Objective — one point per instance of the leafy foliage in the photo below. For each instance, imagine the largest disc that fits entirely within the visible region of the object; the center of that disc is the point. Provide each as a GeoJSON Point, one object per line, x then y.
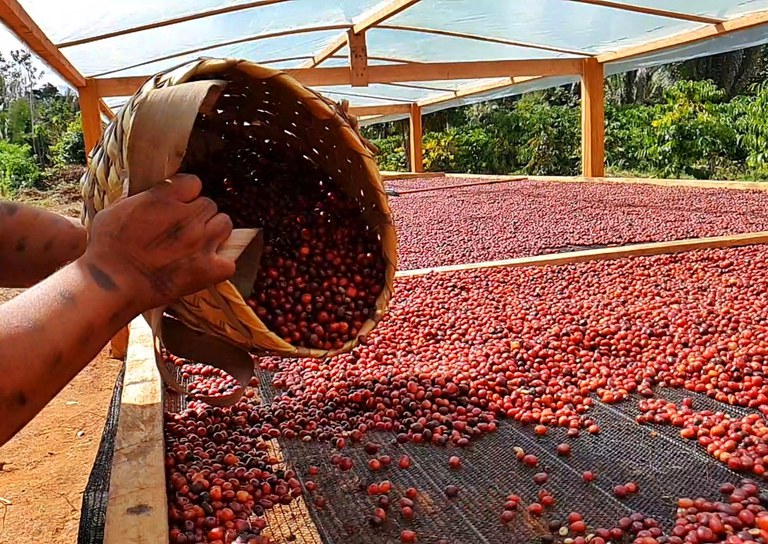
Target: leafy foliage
{"type": "Point", "coordinates": [17, 167]}
{"type": "Point", "coordinates": [692, 130]}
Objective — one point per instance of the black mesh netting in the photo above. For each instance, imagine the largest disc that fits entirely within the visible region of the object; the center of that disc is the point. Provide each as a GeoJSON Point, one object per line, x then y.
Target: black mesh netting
{"type": "Point", "coordinates": [664, 465]}
{"type": "Point", "coordinates": [94, 509]}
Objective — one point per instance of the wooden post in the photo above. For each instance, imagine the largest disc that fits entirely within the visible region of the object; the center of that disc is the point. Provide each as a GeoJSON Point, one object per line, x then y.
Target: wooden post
{"type": "Point", "coordinates": [416, 155]}
{"type": "Point", "coordinates": [593, 119]}
{"type": "Point", "coordinates": [90, 111]}
{"type": "Point", "coordinates": [358, 59]}
{"type": "Point", "coordinates": [119, 346]}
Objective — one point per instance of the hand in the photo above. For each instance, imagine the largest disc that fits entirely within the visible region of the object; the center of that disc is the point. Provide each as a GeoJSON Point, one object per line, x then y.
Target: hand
{"type": "Point", "coordinates": [160, 245]}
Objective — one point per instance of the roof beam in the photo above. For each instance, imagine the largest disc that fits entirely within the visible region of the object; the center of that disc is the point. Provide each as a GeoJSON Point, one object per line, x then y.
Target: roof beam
{"type": "Point", "coordinates": [20, 23]}
{"type": "Point", "coordinates": [434, 71]}
{"type": "Point", "coordinates": [472, 90]}
{"type": "Point", "coordinates": [489, 39]}
{"type": "Point", "coordinates": [652, 11]}
{"type": "Point", "coordinates": [386, 109]}
{"type": "Point", "coordinates": [390, 9]}
{"type": "Point", "coordinates": [169, 22]}
{"type": "Point", "coordinates": [745, 22]}
{"type": "Point", "coordinates": [248, 39]}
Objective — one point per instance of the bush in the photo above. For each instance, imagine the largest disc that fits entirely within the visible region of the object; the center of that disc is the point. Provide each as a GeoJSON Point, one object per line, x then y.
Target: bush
{"type": "Point", "coordinates": [391, 154]}
{"type": "Point", "coordinates": [17, 167]}
{"type": "Point", "coordinates": [70, 148]}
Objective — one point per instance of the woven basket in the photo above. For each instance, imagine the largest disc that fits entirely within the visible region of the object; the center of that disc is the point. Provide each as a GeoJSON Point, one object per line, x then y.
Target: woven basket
{"type": "Point", "coordinates": [274, 105]}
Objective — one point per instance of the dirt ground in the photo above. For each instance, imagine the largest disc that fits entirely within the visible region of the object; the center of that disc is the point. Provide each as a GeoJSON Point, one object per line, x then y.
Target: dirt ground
{"type": "Point", "coordinates": [44, 469]}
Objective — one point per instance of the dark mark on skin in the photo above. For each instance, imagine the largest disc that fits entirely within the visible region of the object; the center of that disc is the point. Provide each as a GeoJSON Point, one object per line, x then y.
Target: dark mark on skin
{"type": "Point", "coordinates": [57, 359]}
{"type": "Point", "coordinates": [21, 245]}
{"type": "Point", "coordinates": [86, 335]}
{"type": "Point", "coordinates": [8, 209]}
{"type": "Point", "coordinates": [67, 297]}
{"type": "Point", "coordinates": [101, 278]}
{"type": "Point", "coordinates": [48, 245]}
{"type": "Point", "coordinates": [139, 509]}
{"type": "Point", "coordinates": [21, 398]}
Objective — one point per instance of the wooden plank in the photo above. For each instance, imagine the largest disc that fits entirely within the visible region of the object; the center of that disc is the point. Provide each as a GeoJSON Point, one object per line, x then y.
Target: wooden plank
{"type": "Point", "coordinates": [358, 59]}
{"type": "Point", "coordinates": [632, 250]}
{"type": "Point", "coordinates": [384, 109]}
{"type": "Point", "coordinates": [169, 22]}
{"type": "Point", "coordinates": [706, 184]}
{"type": "Point", "coordinates": [106, 110]}
{"type": "Point", "coordinates": [461, 185]}
{"type": "Point", "coordinates": [89, 109]}
{"type": "Point", "coordinates": [20, 23]}
{"type": "Point", "coordinates": [472, 90]}
{"type": "Point", "coordinates": [137, 510]}
{"type": "Point", "coordinates": [745, 22]}
{"type": "Point", "coordinates": [593, 119]}
{"type": "Point", "coordinates": [119, 344]}
{"type": "Point", "coordinates": [390, 176]}
{"type": "Point", "coordinates": [653, 11]}
{"type": "Point", "coordinates": [415, 136]}
{"type": "Point", "coordinates": [489, 39]}
{"type": "Point", "coordinates": [429, 71]}
{"type": "Point", "coordinates": [389, 9]}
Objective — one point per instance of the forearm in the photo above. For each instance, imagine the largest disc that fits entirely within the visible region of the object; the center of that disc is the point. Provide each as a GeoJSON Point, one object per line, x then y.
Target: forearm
{"type": "Point", "coordinates": [50, 333]}
{"type": "Point", "coordinates": [34, 243]}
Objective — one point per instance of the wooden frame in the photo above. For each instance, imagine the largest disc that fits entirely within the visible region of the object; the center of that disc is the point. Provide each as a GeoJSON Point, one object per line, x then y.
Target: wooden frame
{"type": "Point", "coordinates": [652, 11]}
{"type": "Point", "coordinates": [415, 139]}
{"type": "Point", "coordinates": [358, 59]}
{"type": "Point", "coordinates": [20, 23]}
{"type": "Point", "coordinates": [382, 14]}
{"type": "Point", "coordinates": [593, 119]}
{"type": "Point", "coordinates": [137, 507]}
{"type": "Point", "coordinates": [90, 111]}
{"type": "Point", "coordinates": [489, 39]}
{"type": "Point", "coordinates": [169, 22]}
{"type": "Point", "coordinates": [395, 73]}
{"type": "Point", "coordinates": [603, 254]}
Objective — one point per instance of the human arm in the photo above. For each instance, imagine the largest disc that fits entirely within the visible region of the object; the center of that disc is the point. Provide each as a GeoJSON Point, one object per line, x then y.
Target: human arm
{"type": "Point", "coordinates": [144, 252]}
{"type": "Point", "coordinates": [34, 243]}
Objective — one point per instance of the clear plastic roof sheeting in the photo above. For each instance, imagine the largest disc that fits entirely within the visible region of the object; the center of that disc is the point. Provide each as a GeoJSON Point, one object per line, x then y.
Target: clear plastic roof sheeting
{"type": "Point", "coordinates": [115, 38]}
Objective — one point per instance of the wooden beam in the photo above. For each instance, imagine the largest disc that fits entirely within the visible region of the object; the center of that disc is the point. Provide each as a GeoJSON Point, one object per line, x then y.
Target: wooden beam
{"type": "Point", "coordinates": [20, 23]}
{"type": "Point", "coordinates": [481, 38]}
{"type": "Point", "coordinates": [392, 176]}
{"type": "Point", "coordinates": [745, 22]}
{"type": "Point", "coordinates": [89, 110]}
{"type": "Point", "coordinates": [472, 90]}
{"type": "Point", "coordinates": [119, 345]}
{"type": "Point", "coordinates": [248, 39]}
{"type": "Point", "coordinates": [358, 58]}
{"type": "Point", "coordinates": [385, 109]}
{"type": "Point", "coordinates": [106, 110]}
{"type": "Point", "coordinates": [492, 181]}
{"type": "Point", "coordinates": [604, 254]}
{"type": "Point", "coordinates": [416, 140]}
{"type": "Point", "coordinates": [169, 22]}
{"type": "Point", "coordinates": [704, 184]}
{"type": "Point", "coordinates": [593, 119]}
{"type": "Point", "coordinates": [653, 11]}
{"type": "Point", "coordinates": [390, 9]}
{"type": "Point", "coordinates": [434, 71]}
{"type": "Point", "coordinates": [137, 511]}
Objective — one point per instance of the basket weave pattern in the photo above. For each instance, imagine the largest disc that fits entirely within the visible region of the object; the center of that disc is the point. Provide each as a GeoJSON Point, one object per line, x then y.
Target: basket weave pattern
{"type": "Point", "coordinates": [278, 107]}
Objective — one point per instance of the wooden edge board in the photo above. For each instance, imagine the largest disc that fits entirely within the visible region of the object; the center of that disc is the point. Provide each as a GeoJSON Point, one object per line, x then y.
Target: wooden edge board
{"type": "Point", "coordinates": [460, 185]}
{"type": "Point", "coordinates": [706, 184]}
{"type": "Point", "coordinates": [137, 507]}
{"type": "Point", "coordinates": [390, 176]}
{"type": "Point", "coordinates": [603, 254]}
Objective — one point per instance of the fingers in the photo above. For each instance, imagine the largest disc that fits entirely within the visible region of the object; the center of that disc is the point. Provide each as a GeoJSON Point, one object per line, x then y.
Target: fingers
{"type": "Point", "coordinates": [203, 209]}
{"type": "Point", "coordinates": [217, 230]}
{"type": "Point", "coordinates": [183, 187]}
{"type": "Point", "coordinates": [222, 268]}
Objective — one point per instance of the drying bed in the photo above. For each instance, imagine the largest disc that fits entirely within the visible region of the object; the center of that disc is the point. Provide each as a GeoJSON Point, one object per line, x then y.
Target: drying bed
{"type": "Point", "coordinates": [527, 218]}
{"type": "Point", "coordinates": [475, 364]}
